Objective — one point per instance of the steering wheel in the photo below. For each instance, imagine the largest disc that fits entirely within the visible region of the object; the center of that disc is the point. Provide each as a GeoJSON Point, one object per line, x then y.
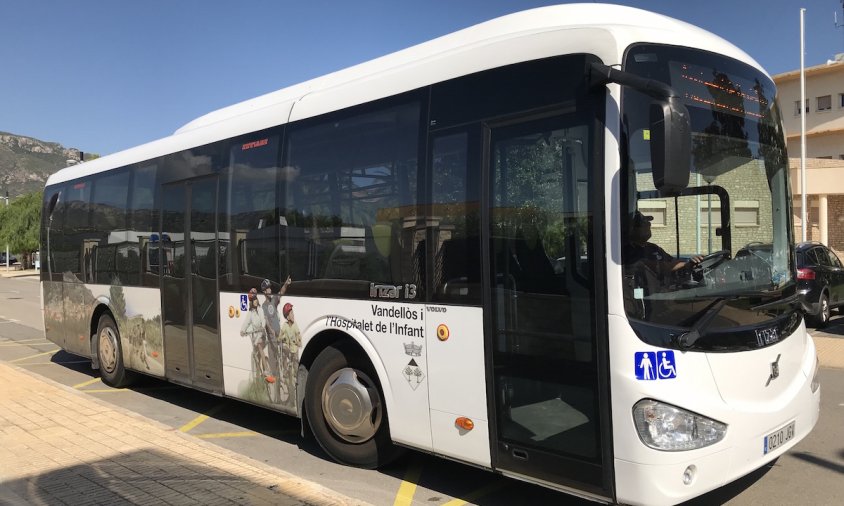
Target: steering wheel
{"type": "Point", "coordinates": [708, 262]}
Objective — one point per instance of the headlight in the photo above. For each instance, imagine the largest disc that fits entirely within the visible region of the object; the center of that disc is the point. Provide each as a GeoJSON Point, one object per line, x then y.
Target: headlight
{"type": "Point", "coordinates": [816, 382]}
{"type": "Point", "coordinates": [665, 427]}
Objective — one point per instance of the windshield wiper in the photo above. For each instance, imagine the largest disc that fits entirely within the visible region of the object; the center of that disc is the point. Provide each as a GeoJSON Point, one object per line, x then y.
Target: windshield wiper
{"type": "Point", "coordinates": [788, 301]}
{"type": "Point", "coordinates": [698, 330]}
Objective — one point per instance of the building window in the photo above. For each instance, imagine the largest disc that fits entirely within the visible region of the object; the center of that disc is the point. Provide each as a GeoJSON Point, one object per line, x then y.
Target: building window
{"type": "Point", "coordinates": [841, 100]}
{"type": "Point", "coordinates": [824, 103]}
{"type": "Point", "coordinates": [825, 157]}
{"type": "Point", "coordinates": [797, 107]}
{"type": "Point", "coordinates": [746, 213]}
{"type": "Point", "coordinates": [707, 208]}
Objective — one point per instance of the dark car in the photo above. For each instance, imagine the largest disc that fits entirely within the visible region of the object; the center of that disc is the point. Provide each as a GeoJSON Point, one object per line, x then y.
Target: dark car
{"type": "Point", "coordinates": [820, 282]}
{"type": "Point", "coordinates": [12, 259]}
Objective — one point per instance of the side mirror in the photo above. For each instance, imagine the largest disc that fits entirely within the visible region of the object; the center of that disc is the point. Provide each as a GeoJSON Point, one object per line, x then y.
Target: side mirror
{"type": "Point", "coordinates": [671, 145]}
{"type": "Point", "coordinates": [671, 138]}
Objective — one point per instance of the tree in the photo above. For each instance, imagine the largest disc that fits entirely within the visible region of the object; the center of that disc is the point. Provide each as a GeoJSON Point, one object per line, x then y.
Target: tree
{"type": "Point", "coordinates": [20, 226]}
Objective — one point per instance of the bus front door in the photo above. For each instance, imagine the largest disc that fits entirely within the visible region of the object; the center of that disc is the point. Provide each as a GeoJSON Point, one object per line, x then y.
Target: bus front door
{"type": "Point", "coordinates": [541, 309]}
{"type": "Point", "coordinates": [192, 347]}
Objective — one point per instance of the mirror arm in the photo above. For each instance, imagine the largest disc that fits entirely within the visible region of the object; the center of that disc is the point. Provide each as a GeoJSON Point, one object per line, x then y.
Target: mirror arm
{"type": "Point", "coordinates": [600, 75]}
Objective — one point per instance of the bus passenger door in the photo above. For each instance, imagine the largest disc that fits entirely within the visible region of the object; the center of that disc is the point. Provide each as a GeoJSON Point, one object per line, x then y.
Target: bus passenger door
{"type": "Point", "coordinates": [188, 244]}
{"type": "Point", "coordinates": [542, 305]}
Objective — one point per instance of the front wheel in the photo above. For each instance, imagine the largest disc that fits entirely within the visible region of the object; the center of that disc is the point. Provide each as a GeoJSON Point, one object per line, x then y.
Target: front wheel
{"type": "Point", "coordinates": [346, 411]}
{"type": "Point", "coordinates": [110, 354]}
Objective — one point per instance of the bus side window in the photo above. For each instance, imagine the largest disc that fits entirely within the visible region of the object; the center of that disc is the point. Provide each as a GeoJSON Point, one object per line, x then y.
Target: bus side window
{"type": "Point", "coordinates": [456, 228]}
{"type": "Point", "coordinates": [349, 188]}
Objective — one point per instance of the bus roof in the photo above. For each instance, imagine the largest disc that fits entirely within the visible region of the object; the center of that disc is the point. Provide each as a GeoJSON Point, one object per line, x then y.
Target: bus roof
{"type": "Point", "coordinates": [600, 29]}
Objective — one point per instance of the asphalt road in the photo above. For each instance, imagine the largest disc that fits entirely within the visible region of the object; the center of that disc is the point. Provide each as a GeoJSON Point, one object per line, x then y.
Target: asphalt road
{"type": "Point", "coordinates": [811, 473]}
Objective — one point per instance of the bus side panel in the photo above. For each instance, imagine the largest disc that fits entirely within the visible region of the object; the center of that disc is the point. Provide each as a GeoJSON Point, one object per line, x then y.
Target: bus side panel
{"type": "Point", "coordinates": [78, 302]}
{"type": "Point", "coordinates": [137, 312]}
{"type": "Point", "coordinates": [455, 348]}
{"type": "Point", "coordinates": [391, 333]}
{"type": "Point", "coordinates": [51, 293]}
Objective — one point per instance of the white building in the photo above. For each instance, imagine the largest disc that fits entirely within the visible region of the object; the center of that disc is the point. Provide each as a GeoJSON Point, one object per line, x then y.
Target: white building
{"type": "Point", "coordinates": [824, 110]}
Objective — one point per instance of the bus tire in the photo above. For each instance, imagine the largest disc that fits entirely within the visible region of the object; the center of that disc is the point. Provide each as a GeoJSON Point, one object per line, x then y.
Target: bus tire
{"type": "Point", "coordinates": [110, 354]}
{"type": "Point", "coordinates": [345, 409]}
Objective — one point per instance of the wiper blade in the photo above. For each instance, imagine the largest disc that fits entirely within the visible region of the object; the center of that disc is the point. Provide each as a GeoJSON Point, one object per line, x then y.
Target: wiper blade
{"type": "Point", "coordinates": [698, 330]}
{"type": "Point", "coordinates": [788, 301]}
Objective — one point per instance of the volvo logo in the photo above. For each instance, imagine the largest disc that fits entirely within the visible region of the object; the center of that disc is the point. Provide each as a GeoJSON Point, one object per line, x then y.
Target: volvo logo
{"type": "Point", "coordinates": [775, 370]}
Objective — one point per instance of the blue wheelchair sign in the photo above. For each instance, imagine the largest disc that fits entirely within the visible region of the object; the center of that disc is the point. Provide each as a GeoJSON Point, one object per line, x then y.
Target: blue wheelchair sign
{"type": "Point", "coordinates": [654, 365]}
{"type": "Point", "coordinates": [244, 303]}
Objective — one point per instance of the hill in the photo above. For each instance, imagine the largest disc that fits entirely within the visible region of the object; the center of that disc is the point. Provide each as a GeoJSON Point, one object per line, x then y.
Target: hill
{"type": "Point", "coordinates": [26, 163]}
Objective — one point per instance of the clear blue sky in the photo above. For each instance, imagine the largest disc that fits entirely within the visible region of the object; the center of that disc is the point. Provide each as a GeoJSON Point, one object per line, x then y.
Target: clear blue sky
{"type": "Point", "coordinates": [105, 75]}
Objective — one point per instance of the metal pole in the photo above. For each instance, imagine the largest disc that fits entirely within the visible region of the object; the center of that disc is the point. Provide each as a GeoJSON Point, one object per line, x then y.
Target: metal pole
{"type": "Point", "coordinates": [804, 214]}
{"type": "Point", "coordinates": [7, 244]}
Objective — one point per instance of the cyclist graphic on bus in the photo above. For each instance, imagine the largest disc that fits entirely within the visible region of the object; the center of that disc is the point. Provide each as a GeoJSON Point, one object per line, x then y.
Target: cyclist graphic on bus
{"type": "Point", "coordinates": [279, 390]}
{"type": "Point", "coordinates": [254, 327]}
{"type": "Point", "coordinates": [291, 340]}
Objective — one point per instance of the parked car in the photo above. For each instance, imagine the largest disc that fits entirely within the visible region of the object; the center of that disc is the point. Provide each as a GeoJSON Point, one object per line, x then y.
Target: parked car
{"type": "Point", "coordinates": [820, 282]}
{"type": "Point", "coordinates": [12, 259]}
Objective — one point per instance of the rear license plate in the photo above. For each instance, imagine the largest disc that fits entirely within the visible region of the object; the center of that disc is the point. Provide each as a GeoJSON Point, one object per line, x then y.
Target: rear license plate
{"type": "Point", "coordinates": [778, 438]}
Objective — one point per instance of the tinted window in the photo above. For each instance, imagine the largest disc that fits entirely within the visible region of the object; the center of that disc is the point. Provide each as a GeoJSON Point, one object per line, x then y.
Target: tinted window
{"type": "Point", "coordinates": [506, 90]}
{"type": "Point", "coordinates": [833, 259]}
{"type": "Point", "coordinates": [350, 200]}
{"type": "Point", "coordinates": [109, 201]}
{"type": "Point", "coordinates": [819, 257]}
{"type": "Point", "coordinates": [455, 198]}
{"type": "Point", "coordinates": [51, 234]}
{"type": "Point", "coordinates": [248, 224]}
{"type": "Point", "coordinates": [142, 261]}
{"type": "Point", "coordinates": [108, 221]}
{"type": "Point", "coordinates": [76, 226]}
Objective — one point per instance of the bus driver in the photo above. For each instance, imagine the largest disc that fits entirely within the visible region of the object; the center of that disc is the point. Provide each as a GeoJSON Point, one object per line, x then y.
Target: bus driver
{"type": "Point", "coordinates": [639, 249]}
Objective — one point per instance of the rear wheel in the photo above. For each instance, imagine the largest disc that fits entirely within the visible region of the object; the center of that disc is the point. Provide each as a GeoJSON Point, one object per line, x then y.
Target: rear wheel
{"type": "Point", "coordinates": [110, 354]}
{"type": "Point", "coordinates": [346, 411]}
{"type": "Point", "coordinates": [822, 318]}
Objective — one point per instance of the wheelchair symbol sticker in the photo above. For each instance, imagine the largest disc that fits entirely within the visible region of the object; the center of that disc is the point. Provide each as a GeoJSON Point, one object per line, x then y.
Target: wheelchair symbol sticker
{"type": "Point", "coordinates": [655, 365]}
{"type": "Point", "coordinates": [244, 303]}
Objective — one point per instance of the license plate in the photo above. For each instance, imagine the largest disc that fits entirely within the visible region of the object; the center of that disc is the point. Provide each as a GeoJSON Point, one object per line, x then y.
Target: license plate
{"type": "Point", "coordinates": [778, 438]}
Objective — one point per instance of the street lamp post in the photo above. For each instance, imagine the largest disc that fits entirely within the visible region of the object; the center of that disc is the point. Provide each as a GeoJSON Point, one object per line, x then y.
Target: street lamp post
{"type": "Point", "coordinates": [7, 244]}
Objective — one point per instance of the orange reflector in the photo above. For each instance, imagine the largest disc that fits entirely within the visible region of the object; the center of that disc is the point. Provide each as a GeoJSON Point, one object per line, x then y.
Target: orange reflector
{"type": "Point", "coordinates": [464, 423]}
{"type": "Point", "coordinates": [443, 332]}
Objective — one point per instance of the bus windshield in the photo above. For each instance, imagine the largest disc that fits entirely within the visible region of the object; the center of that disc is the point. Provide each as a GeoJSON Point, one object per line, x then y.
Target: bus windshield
{"type": "Point", "coordinates": [711, 267]}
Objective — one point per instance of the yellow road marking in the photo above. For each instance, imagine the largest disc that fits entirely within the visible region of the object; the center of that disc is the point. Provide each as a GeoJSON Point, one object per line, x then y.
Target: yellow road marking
{"type": "Point", "coordinates": [220, 435]}
{"type": "Point", "coordinates": [57, 362]}
{"type": "Point", "coordinates": [89, 382]}
{"type": "Point", "coordinates": [11, 342]}
{"type": "Point", "coordinates": [226, 434]}
{"type": "Point", "coordinates": [113, 390]}
{"type": "Point", "coordinates": [33, 356]}
{"type": "Point", "coordinates": [201, 418]}
{"type": "Point", "coordinates": [477, 494]}
{"type": "Point", "coordinates": [404, 497]}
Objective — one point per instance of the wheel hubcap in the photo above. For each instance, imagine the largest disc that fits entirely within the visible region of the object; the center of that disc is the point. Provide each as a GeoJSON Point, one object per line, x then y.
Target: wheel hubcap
{"type": "Point", "coordinates": [351, 405]}
{"type": "Point", "coordinates": [108, 349]}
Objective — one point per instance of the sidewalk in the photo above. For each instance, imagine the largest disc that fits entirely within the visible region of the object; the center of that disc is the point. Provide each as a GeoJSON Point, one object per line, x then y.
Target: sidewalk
{"type": "Point", "coordinates": [61, 446]}
{"type": "Point", "coordinates": [16, 273]}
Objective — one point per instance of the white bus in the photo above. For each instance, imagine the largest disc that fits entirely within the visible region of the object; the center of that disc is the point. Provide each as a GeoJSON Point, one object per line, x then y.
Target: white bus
{"type": "Point", "coordinates": [473, 248]}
